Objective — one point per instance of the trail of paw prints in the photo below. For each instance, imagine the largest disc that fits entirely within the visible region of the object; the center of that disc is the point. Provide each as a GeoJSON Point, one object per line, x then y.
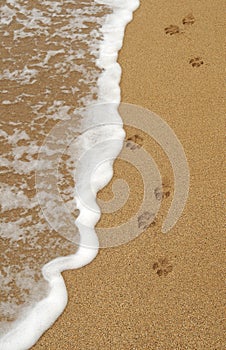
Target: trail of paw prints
{"type": "Point", "coordinates": [187, 21]}
{"type": "Point", "coordinates": [134, 142]}
{"type": "Point", "coordinates": [173, 29]}
{"type": "Point", "coordinates": [196, 62]}
{"type": "Point", "coordinates": [162, 267]}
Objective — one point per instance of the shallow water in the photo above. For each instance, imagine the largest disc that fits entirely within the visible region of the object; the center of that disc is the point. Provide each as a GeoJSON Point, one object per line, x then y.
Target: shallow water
{"type": "Point", "coordinates": [51, 67]}
{"type": "Point", "coordinates": [47, 72]}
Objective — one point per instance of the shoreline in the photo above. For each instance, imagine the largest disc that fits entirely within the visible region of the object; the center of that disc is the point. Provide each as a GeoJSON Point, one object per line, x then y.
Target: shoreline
{"type": "Point", "coordinates": [33, 321]}
{"type": "Point", "coordinates": [120, 301]}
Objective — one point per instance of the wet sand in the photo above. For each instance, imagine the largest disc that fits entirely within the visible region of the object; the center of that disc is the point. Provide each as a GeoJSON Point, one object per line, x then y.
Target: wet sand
{"type": "Point", "coordinates": [162, 291]}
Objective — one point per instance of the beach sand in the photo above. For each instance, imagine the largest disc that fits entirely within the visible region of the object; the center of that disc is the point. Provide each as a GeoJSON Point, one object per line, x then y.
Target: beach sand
{"type": "Point", "coordinates": [122, 300]}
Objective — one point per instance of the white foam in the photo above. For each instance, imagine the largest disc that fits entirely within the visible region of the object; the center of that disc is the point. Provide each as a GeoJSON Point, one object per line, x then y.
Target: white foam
{"type": "Point", "coordinates": [24, 76]}
{"type": "Point", "coordinates": [27, 330]}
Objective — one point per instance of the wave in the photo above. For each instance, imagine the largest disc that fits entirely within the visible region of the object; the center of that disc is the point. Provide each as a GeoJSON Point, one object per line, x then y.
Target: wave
{"type": "Point", "coordinates": [90, 31]}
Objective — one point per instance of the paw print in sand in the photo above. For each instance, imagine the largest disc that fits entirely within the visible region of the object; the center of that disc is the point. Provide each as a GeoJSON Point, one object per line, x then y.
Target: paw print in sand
{"type": "Point", "coordinates": [164, 192]}
{"type": "Point", "coordinates": [161, 193]}
{"type": "Point", "coordinates": [146, 220]}
{"type": "Point", "coordinates": [188, 20]}
{"type": "Point", "coordinates": [172, 29]}
{"type": "Point", "coordinates": [196, 62]}
{"type": "Point", "coordinates": [134, 142]}
{"type": "Point", "coordinates": [162, 267]}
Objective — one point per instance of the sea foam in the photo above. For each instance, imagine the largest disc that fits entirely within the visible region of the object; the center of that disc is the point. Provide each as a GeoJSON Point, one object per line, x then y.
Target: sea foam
{"type": "Point", "coordinates": [37, 318]}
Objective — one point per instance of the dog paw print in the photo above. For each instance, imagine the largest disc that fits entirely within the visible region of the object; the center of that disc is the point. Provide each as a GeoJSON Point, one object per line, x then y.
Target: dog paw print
{"type": "Point", "coordinates": [161, 193]}
{"type": "Point", "coordinates": [196, 62]}
{"type": "Point", "coordinates": [188, 20]}
{"type": "Point", "coordinates": [146, 220]}
{"type": "Point", "coordinates": [134, 142]}
{"type": "Point", "coordinates": [164, 192]}
{"type": "Point", "coordinates": [172, 29]}
{"type": "Point", "coordinates": [162, 267]}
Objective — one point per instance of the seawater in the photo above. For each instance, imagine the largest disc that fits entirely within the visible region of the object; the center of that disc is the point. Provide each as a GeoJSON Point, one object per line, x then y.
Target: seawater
{"type": "Point", "coordinates": [59, 69]}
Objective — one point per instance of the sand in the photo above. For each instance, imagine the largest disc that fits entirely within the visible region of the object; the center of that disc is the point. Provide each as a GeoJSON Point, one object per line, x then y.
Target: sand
{"type": "Point", "coordinates": [121, 301]}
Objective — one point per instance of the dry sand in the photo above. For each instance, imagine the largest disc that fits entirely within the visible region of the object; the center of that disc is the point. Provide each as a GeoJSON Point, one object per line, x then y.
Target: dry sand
{"type": "Point", "coordinates": [120, 301]}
